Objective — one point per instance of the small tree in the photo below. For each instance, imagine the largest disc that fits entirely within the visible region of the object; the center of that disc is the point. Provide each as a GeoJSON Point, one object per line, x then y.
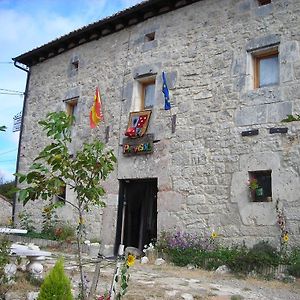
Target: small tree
{"type": "Point", "coordinates": [56, 285]}
{"type": "Point", "coordinates": [56, 168]}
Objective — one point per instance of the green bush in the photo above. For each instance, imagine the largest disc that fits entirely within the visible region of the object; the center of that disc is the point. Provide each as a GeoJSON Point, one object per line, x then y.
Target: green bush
{"type": "Point", "coordinates": [183, 249]}
{"type": "Point", "coordinates": [294, 260]}
{"type": "Point", "coordinates": [4, 259]}
{"type": "Point", "coordinates": [258, 258]}
{"type": "Point", "coordinates": [56, 285]}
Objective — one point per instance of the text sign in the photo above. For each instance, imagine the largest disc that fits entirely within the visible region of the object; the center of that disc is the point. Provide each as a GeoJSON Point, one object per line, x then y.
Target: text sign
{"type": "Point", "coordinates": [138, 146]}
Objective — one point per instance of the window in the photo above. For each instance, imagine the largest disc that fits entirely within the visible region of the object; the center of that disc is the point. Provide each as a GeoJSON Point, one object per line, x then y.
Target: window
{"type": "Point", "coordinates": [149, 37]}
{"type": "Point", "coordinates": [266, 68]}
{"type": "Point", "coordinates": [264, 2]}
{"type": "Point", "coordinates": [71, 106]}
{"type": "Point", "coordinates": [75, 65]}
{"type": "Point", "coordinates": [143, 94]}
{"type": "Point", "coordinates": [260, 184]}
{"type": "Point", "coordinates": [148, 93]}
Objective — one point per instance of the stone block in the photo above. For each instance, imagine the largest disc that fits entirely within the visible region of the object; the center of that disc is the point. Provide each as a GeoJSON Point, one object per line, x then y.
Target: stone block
{"type": "Point", "coordinates": [251, 115]}
{"type": "Point", "coordinates": [263, 10]}
{"type": "Point", "coordinates": [262, 42]}
{"type": "Point", "coordinates": [146, 69]}
{"type": "Point", "coordinates": [259, 161]}
{"type": "Point", "coordinates": [149, 45]}
{"type": "Point", "coordinates": [286, 72]}
{"type": "Point", "coordinates": [244, 6]}
{"type": "Point", "coordinates": [195, 199]}
{"type": "Point", "coordinates": [279, 111]}
{"type": "Point", "coordinates": [169, 201]}
{"type": "Point", "coordinates": [289, 52]}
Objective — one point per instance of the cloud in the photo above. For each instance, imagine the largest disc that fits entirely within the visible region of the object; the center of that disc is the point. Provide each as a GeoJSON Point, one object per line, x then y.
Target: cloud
{"type": "Point", "coordinates": [6, 175]}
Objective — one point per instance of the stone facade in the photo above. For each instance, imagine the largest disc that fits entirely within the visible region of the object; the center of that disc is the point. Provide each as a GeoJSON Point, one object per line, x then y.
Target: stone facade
{"type": "Point", "coordinates": [202, 168]}
{"type": "Point", "coordinates": [5, 211]}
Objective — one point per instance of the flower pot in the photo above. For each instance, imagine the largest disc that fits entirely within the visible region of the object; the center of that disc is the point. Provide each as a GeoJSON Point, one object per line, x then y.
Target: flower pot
{"type": "Point", "coordinates": [259, 192]}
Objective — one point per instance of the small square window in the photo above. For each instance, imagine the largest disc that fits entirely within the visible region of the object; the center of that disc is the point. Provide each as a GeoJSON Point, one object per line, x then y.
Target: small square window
{"type": "Point", "coordinates": [149, 37]}
{"type": "Point", "coordinates": [75, 65]}
{"type": "Point", "coordinates": [260, 185]}
{"type": "Point", "coordinates": [266, 68]}
{"type": "Point", "coordinates": [71, 106]}
{"type": "Point", "coordinates": [264, 2]}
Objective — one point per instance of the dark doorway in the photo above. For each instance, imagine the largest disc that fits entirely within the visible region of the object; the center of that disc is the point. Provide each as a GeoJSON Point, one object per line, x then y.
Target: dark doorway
{"type": "Point", "coordinates": [138, 209]}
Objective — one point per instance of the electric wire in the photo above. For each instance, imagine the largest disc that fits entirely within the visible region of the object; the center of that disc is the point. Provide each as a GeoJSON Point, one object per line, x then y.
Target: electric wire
{"type": "Point", "coordinates": [8, 151]}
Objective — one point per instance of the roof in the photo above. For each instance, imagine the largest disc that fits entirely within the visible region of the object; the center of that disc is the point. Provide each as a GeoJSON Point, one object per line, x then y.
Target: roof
{"type": "Point", "coordinates": [128, 17]}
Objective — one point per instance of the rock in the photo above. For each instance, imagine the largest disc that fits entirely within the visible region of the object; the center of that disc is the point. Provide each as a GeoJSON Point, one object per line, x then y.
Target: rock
{"type": "Point", "coordinates": [32, 295]}
{"type": "Point", "coordinates": [171, 294]}
{"type": "Point", "coordinates": [159, 261]}
{"type": "Point", "coordinates": [33, 246]}
{"type": "Point", "coordinates": [94, 249]}
{"type": "Point", "coordinates": [14, 296]}
{"type": "Point", "coordinates": [134, 251]}
{"type": "Point", "coordinates": [186, 296]}
{"type": "Point", "coordinates": [107, 250]}
{"type": "Point", "coordinates": [222, 270]}
{"type": "Point", "coordinates": [10, 271]}
{"type": "Point", "coordinates": [190, 267]}
{"type": "Point", "coordinates": [286, 278]}
{"type": "Point", "coordinates": [144, 260]}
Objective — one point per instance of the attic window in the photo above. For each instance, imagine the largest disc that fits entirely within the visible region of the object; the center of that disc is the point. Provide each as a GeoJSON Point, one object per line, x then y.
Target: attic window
{"type": "Point", "coordinates": [150, 37]}
{"type": "Point", "coordinates": [260, 184]}
{"type": "Point", "coordinates": [75, 65]}
{"type": "Point", "coordinates": [264, 2]}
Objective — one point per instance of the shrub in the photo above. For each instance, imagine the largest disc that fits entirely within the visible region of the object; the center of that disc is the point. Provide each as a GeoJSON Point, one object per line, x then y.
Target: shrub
{"type": "Point", "coordinates": [26, 221]}
{"type": "Point", "coordinates": [56, 285]}
{"type": "Point", "coordinates": [294, 260]}
{"type": "Point", "coordinates": [4, 259]}
{"type": "Point", "coordinates": [183, 249]}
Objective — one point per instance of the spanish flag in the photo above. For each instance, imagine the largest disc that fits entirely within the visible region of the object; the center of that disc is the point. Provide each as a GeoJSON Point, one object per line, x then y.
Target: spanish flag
{"type": "Point", "coordinates": [96, 114]}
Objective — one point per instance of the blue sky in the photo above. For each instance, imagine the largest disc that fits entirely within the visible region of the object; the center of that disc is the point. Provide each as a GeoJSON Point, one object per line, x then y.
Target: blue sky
{"type": "Point", "coordinates": [27, 24]}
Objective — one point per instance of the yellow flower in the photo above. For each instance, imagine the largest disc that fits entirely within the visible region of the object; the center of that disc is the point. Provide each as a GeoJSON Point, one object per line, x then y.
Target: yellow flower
{"type": "Point", "coordinates": [214, 235]}
{"type": "Point", "coordinates": [130, 260]}
{"type": "Point", "coordinates": [286, 238]}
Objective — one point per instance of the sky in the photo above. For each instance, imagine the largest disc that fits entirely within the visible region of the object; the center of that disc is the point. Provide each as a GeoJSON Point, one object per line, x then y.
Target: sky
{"type": "Point", "coordinates": [25, 25]}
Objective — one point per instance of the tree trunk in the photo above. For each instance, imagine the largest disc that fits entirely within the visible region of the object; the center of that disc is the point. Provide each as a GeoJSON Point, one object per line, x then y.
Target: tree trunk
{"type": "Point", "coordinates": [79, 248]}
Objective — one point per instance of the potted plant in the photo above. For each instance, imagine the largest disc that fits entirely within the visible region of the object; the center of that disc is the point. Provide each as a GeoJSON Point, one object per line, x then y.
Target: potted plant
{"type": "Point", "coordinates": [256, 190]}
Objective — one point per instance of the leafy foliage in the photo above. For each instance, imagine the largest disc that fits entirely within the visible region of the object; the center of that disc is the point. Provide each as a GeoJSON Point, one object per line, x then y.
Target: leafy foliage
{"type": "Point", "coordinates": [4, 259]}
{"type": "Point", "coordinates": [3, 128]}
{"type": "Point", "coordinates": [291, 118]}
{"type": "Point", "coordinates": [56, 168]}
{"type": "Point", "coordinates": [56, 285]}
{"type": "Point", "coordinates": [26, 221]}
{"type": "Point", "coordinates": [205, 253]}
{"type": "Point", "coordinates": [294, 267]}
{"type": "Point", "coordinates": [7, 190]}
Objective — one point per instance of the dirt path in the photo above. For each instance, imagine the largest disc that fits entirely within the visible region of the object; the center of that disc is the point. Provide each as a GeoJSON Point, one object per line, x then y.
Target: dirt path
{"type": "Point", "coordinates": [149, 282]}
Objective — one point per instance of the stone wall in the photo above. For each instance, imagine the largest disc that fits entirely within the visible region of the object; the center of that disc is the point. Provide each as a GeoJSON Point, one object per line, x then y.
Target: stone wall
{"type": "Point", "coordinates": [202, 168]}
{"type": "Point", "coordinates": [5, 212]}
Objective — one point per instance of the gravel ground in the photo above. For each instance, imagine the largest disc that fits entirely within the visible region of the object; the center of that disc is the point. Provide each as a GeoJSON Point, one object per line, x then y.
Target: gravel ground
{"type": "Point", "coordinates": [169, 282]}
{"type": "Point", "coordinates": [149, 282]}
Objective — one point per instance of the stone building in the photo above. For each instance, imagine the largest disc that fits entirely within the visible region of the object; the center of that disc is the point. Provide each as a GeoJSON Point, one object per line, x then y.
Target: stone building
{"type": "Point", "coordinates": [233, 73]}
{"type": "Point", "coordinates": [5, 211]}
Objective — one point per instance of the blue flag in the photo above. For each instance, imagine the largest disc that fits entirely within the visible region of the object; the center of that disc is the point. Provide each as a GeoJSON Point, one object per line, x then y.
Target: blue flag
{"type": "Point", "coordinates": [165, 91]}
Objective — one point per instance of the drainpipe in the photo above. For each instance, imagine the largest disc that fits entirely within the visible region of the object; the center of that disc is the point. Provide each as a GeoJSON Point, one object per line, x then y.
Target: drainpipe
{"type": "Point", "coordinates": [21, 131]}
